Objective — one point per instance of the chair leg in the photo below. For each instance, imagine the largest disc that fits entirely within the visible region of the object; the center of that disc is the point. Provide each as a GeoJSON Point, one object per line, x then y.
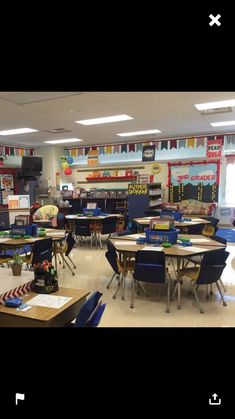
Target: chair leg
{"type": "Point", "coordinates": [133, 293]}
{"type": "Point", "coordinates": [108, 286]}
{"type": "Point", "coordinates": [211, 290]}
{"type": "Point", "coordinates": [197, 299]}
{"type": "Point", "coordinates": [207, 292]}
{"type": "Point", "coordinates": [65, 261]}
{"type": "Point", "coordinates": [118, 286]}
{"type": "Point", "coordinates": [220, 292]}
{"type": "Point", "coordinates": [123, 285]}
{"type": "Point", "coordinates": [222, 284]}
{"type": "Point", "coordinates": [71, 261]}
{"type": "Point", "coordinates": [168, 294]}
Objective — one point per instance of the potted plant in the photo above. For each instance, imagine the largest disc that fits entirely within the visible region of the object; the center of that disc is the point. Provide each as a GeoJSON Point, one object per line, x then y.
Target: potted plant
{"type": "Point", "coordinates": [16, 264]}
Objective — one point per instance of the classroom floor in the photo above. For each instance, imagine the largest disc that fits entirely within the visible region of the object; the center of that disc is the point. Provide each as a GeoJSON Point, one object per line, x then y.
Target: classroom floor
{"type": "Point", "coordinates": [93, 273]}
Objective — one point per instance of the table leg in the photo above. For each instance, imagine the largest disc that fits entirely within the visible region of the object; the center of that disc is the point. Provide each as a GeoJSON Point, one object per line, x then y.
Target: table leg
{"type": "Point", "coordinates": [178, 282]}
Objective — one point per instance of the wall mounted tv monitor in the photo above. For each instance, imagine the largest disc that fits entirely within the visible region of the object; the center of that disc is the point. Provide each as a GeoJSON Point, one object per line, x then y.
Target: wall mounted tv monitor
{"type": "Point", "coordinates": [31, 165]}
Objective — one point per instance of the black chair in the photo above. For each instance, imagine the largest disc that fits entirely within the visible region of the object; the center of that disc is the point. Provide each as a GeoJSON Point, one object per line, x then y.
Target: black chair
{"type": "Point", "coordinates": [42, 250]}
{"type": "Point", "coordinates": [120, 268]}
{"type": "Point", "coordinates": [61, 220]}
{"type": "Point", "coordinates": [152, 213]}
{"type": "Point", "coordinates": [65, 249]}
{"type": "Point", "coordinates": [209, 272]}
{"type": "Point", "coordinates": [109, 225]}
{"type": "Point", "coordinates": [82, 229]}
{"type": "Point", "coordinates": [111, 256]}
{"type": "Point", "coordinates": [150, 267]}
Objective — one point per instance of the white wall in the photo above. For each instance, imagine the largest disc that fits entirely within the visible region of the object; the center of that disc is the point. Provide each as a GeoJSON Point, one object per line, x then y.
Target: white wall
{"type": "Point", "coordinates": [51, 161]}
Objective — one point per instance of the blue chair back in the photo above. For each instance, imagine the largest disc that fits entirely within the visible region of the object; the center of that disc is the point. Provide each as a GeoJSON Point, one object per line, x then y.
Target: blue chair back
{"type": "Point", "coordinates": [82, 228]}
{"type": "Point", "coordinates": [94, 321]}
{"type": "Point", "coordinates": [42, 250]}
{"type": "Point", "coordinates": [219, 239]}
{"type": "Point", "coordinates": [150, 266]}
{"type": "Point", "coordinates": [87, 314]}
{"type": "Point", "coordinates": [61, 220]}
{"type": "Point", "coordinates": [212, 266]}
{"type": "Point", "coordinates": [71, 242]}
{"type": "Point", "coordinates": [111, 256]}
{"type": "Point", "coordinates": [109, 225]}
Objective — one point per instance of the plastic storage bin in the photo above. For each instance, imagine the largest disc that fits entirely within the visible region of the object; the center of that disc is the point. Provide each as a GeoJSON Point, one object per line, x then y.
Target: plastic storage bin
{"type": "Point", "coordinates": [176, 214]}
{"type": "Point", "coordinates": [91, 211]}
{"type": "Point", "coordinates": [161, 236]}
{"type": "Point", "coordinates": [30, 230]}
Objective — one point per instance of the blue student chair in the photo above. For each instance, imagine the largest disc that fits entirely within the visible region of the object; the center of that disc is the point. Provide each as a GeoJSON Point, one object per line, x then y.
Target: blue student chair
{"type": "Point", "coordinates": [91, 311]}
{"type": "Point", "coordinates": [209, 272]}
{"type": "Point", "coordinates": [197, 259]}
{"type": "Point", "coordinates": [150, 267]}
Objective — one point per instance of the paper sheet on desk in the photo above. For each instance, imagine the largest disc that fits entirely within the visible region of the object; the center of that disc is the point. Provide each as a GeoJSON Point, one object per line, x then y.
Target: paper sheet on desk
{"type": "Point", "coordinates": [124, 242]}
{"type": "Point", "coordinates": [132, 236]}
{"type": "Point", "coordinates": [158, 249]}
{"type": "Point", "coordinates": [52, 301]}
{"type": "Point", "coordinates": [194, 249]}
{"type": "Point", "coordinates": [3, 240]}
{"type": "Point", "coordinates": [200, 240]}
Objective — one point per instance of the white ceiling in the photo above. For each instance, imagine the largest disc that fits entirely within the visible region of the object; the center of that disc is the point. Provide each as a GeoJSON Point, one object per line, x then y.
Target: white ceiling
{"type": "Point", "coordinates": [171, 112]}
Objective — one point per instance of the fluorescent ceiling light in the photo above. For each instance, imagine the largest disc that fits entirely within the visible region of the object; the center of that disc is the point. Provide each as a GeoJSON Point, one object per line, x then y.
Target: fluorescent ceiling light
{"type": "Point", "coordinates": [67, 140]}
{"type": "Point", "coordinates": [222, 124]}
{"type": "Point", "coordinates": [215, 105]}
{"type": "Point", "coordinates": [104, 120]}
{"type": "Point", "coordinates": [17, 131]}
{"type": "Point", "coordinates": [130, 134]}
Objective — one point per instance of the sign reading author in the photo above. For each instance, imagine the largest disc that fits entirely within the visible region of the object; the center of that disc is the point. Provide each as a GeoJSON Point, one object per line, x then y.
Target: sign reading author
{"type": "Point", "coordinates": [148, 153]}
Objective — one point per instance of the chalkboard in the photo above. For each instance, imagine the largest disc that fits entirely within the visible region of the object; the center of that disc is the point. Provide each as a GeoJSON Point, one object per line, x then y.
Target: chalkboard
{"type": "Point", "coordinates": [138, 189]}
{"type": "Point", "coordinates": [204, 193]}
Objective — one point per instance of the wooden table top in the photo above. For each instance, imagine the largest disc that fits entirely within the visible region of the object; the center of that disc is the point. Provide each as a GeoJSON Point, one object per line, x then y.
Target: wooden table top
{"type": "Point", "coordinates": [46, 313]}
{"type": "Point", "coordinates": [196, 239]}
{"type": "Point", "coordinates": [195, 221]}
{"type": "Point", "coordinates": [55, 234]}
{"type": "Point", "coordinates": [97, 217]}
{"type": "Point", "coordinates": [175, 250]}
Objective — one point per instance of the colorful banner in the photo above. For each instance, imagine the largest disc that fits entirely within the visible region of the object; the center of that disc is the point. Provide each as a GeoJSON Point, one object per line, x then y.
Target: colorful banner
{"type": "Point", "coordinates": [93, 157]}
{"type": "Point", "coordinates": [148, 153]}
{"type": "Point", "coordinates": [214, 148]}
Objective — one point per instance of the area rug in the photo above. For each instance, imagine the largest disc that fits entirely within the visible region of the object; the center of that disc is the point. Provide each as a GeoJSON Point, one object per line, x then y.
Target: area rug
{"type": "Point", "coordinates": [226, 233]}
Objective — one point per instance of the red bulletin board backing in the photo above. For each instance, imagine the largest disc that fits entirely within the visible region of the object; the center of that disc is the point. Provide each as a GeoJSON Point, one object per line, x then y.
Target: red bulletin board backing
{"type": "Point", "coordinates": [13, 172]}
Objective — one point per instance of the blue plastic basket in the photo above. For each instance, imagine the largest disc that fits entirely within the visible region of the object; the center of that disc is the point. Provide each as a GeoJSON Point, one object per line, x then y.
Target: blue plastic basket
{"type": "Point", "coordinates": [30, 230]}
{"type": "Point", "coordinates": [91, 211]}
{"type": "Point", "coordinates": [161, 236]}
{"type": "Point", "coordinates": [176, 214]}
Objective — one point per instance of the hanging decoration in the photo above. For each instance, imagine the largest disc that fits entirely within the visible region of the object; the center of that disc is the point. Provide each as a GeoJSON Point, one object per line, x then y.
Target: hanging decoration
{"type": "Point", "coordinates": [68, 171]}
{"type": "Point", "coordinates": [66, 161]}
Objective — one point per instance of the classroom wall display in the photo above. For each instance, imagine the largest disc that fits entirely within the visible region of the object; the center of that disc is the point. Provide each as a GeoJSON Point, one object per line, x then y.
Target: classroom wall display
{"type": "Point", "coordinates": [214, 147]}
{"type": "Point", "coordinates": [194, 180]}
{"type": "Point", "coordinates": [93, 157]}
{"type": "Point", "coordinates": [8, 184]}
{"type": "Point", "coordinates": [148, 153]}
{"type": "Point", "coordinates": [137, 189]}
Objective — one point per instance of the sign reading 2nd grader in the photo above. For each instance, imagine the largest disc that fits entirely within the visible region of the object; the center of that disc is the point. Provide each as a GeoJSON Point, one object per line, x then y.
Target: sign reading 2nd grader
{"type": "Point", "coordinates": [214, 148]}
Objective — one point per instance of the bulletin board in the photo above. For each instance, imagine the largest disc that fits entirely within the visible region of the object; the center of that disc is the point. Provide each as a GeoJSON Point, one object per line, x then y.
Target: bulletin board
{"type": "Point", "coordinates": [8, 185]}
{"type": "Point", "coordinates": [194, 180]}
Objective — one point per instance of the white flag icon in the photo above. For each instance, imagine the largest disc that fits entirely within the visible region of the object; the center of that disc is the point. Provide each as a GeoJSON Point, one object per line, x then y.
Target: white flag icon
{"type": "Point", "coordinates": [19, 396]}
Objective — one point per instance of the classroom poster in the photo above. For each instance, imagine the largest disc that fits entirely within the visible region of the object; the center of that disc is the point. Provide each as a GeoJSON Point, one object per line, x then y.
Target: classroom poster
{"type": "Point", "coordinates": [6, 181]}
{"type": "Point", "coordinates": [214, 148]}
{"type": "Point", "coordinates": [148, 153]}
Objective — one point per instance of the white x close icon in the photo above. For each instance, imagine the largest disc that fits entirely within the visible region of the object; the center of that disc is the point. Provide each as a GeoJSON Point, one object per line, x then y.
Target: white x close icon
{"type": "Point", "coordinates": [215, 20]}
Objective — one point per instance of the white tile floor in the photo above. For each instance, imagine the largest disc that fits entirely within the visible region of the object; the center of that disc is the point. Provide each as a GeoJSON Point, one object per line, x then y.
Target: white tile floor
{"type": "Point", "coordinates": [93, 273]}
